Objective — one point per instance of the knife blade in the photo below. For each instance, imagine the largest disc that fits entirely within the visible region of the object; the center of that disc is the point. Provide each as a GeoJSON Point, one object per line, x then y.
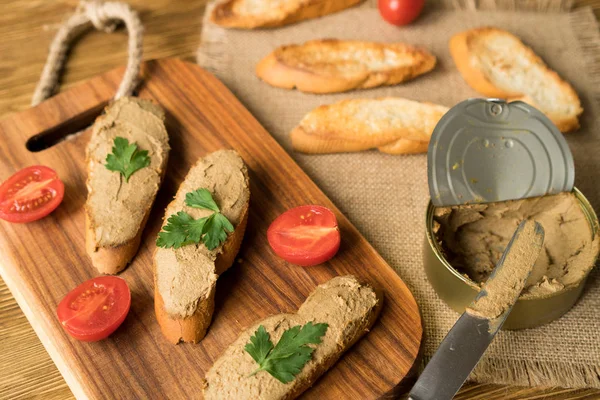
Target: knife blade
{"type": "Point", "coordinates": [467, 341]}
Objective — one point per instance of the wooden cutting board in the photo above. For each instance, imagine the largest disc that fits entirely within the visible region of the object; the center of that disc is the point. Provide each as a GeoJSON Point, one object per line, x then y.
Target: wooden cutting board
{"type": "Point", "coordinates": [43, 260]}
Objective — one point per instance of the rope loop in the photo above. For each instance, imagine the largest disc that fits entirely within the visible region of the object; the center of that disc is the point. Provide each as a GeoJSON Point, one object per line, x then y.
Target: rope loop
{"type": "Point", "coordinates": [97, 16]}
{"type": "Point", "coordinates": [102, 16]}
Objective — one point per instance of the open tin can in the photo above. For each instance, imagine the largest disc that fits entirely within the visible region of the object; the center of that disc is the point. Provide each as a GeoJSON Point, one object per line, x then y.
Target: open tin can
{"type": "Point", "coordinates": [515, 152]}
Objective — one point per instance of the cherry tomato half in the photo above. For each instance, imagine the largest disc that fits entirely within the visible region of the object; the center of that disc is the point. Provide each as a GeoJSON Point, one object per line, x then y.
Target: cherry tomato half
{"type": "Point", "coordinates": [30, 194]}
{"type": "Point", "coordinates": [95, 309]}
{"type": "Point", "coordinates": [305, 235]}
{"type": "Point", "coordinates": [400, 12]}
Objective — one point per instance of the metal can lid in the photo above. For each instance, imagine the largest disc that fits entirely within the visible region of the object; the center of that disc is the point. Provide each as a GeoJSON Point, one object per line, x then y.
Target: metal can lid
{"type": "Point", "coordinates": [488, 150]}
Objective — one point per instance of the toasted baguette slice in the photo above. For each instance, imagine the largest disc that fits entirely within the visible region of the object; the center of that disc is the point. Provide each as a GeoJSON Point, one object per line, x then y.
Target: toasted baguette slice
{"type": "Point", "coordinates": [185, 278]}
{"type": "Point", "coordinates": [116, 210]}
{"type": "Point", "coordinates": [497, 64]}
{"type": "Point", "coordinates": [404, 146]}
{"type": "Point", "coordinates": [249, 14]}
{"type": "Point", "coordinates": [330, 65]}
{"type": "Point", "coordinates": [393, 125]}
{"type": "Point", "coordinates": [347, 306]}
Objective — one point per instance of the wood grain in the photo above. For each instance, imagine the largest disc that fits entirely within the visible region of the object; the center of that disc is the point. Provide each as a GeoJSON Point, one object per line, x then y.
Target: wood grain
{"type": "Point", "coordinates": [42, 261]}
{"type": "Point", "coordinates": [171, 29]}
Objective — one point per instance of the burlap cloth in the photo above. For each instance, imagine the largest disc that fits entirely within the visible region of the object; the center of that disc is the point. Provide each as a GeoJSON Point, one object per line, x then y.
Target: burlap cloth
{"type": "Point", "coordinates": [385, 196]}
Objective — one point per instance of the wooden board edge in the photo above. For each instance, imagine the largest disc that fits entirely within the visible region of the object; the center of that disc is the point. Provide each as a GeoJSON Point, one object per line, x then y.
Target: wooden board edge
{"type": "Point", "coordinates": [47, 341]}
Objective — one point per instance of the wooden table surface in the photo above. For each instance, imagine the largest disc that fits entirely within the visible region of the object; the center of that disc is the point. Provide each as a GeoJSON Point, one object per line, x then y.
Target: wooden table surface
{"type": "Point", "coordinates": [172, 29]}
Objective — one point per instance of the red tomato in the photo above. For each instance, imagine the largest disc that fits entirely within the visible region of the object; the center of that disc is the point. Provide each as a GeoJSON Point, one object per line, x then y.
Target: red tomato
{"type": "Point", "coordinates": [30, 194]}
{"type": "Point", "coordinates": [400, 12]}
{"type": "Point", "coordinates": [95, 309]}
{"type": "Point", "coordinates": [305, 235]}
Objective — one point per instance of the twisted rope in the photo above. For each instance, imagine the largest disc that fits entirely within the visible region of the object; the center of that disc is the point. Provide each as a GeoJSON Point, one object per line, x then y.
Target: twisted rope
{"type": "Point", "coordinates": [102, 16]}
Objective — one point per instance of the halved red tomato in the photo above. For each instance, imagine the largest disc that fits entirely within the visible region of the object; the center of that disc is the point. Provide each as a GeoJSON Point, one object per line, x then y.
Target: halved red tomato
{"type": "Point", "coordinates": [305, 235]}
{"type": "Point", "coordinates": [95, 309]}
{"type": "Point", "coordinates": [30, 194]}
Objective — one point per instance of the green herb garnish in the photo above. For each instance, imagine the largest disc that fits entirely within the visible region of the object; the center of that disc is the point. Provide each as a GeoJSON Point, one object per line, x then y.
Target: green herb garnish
{"type": "Point", "coordinates": [201, 198]}
{"type": "Point", "coordinates": [285, 360]}
{"type": "Point", "coordinates": [126, 158]}
{"type": "Point", "coordinates": [182, 229]}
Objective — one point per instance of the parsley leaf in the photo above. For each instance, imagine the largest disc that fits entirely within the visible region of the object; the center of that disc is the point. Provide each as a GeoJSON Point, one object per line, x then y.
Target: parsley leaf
{"type": "Point", "coordinates": [201, 198]}
{"type": "Point", "coordinates": [216, 229]}
{"type": "Point", "coordinates": [285, 360]}
{"type": "Point", "coordinates": [183, 229]}
{"type": "Point", "coordinates": [260, 345]}
{"type": "Point", "coordinates": [126, 158]}
{"type": "Point", "coordinates": [286, 371]}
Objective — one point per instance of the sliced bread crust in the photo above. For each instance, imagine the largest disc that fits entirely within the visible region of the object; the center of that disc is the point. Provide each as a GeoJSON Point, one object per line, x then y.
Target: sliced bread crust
{"type": "Point", "coordinates": [116, 211]}
{"type": "Point", "coordinates": [185, 279]}
{"type": "Point", "coordinates": [497, 64]}
{"type": "Point", "coordinates": [193, 328]}
{"type": "Point", "coordinates": [331, 65]}
{"type": "Point", "coordinates": [249, 14]}
{"type": "Point", "coordinates": [392, 125]}
{"type": "Point", "coordinates": [404, 146]}
{"type": "Point", "coordinates": [349, 307]}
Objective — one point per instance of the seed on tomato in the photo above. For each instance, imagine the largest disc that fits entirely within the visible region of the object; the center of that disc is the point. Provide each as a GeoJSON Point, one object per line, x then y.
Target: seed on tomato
{"type": "Point", "coordinates": [30, 194]}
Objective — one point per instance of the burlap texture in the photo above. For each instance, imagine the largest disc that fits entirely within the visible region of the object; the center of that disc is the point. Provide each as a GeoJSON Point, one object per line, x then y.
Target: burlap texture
{"type": "Point", "coordinates": [385, 196]}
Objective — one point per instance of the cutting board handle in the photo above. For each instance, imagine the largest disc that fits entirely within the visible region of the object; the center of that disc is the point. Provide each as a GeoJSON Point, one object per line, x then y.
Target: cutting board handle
{"type": "Point", "coordinates": [72, 125]}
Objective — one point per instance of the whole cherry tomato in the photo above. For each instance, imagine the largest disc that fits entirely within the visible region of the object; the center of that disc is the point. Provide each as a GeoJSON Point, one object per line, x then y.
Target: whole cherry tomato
{"type": "Point", "coordinates": [400, 12]}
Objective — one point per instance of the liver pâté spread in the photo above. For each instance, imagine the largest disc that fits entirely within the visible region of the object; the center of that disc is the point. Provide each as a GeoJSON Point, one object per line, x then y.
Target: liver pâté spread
{"type": "Point", "coordinates": [473, 237]}
{"type": "Point", "coordinates": [504, 286]}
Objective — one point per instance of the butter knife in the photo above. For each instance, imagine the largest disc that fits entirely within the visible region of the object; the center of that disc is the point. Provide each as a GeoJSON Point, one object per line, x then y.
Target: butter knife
{"type": "Point", "coordinates": [467, 341]}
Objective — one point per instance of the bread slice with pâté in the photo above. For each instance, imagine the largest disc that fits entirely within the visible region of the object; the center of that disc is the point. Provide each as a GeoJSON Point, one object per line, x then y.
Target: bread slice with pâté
{"type": "Point", "coordinates": [333, 317]}
{"type": "Point", "coordinates": [249, 14]}
{"type": "Point", "coordinates": [202, 232]}
{"type": "Point", "coordinates": [390, 124]}
{"type": "Point", "coordinates": [498, 64]}
{"type": "Point", "coordinates": [126, 162]}
{"type": "Point", "coordinates": [331, 65]}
